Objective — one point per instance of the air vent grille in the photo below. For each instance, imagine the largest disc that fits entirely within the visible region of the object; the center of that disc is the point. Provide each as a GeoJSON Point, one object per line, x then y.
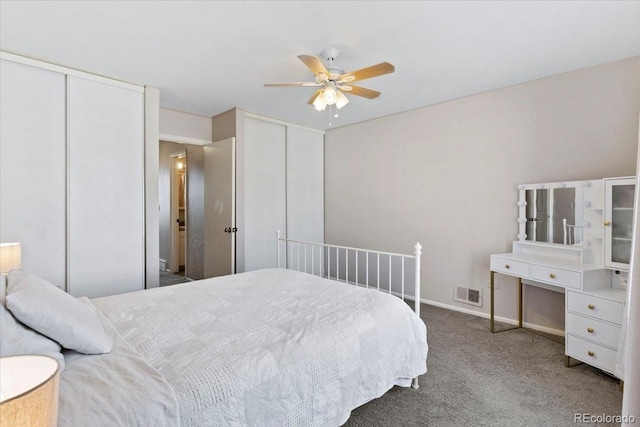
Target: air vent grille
{"type": "Point", "coordinates": [468, 296]}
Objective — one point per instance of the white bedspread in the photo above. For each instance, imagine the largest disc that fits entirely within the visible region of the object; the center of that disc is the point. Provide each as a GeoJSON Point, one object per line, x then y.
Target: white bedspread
{"type": "Point", "coordinates": [272, 347]}
{"type": "Point", "coordinates": [115, 389]}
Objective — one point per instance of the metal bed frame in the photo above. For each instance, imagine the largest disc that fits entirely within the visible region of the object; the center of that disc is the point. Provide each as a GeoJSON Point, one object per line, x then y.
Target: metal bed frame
{"type": "Point", "coordinates": [316, 258]}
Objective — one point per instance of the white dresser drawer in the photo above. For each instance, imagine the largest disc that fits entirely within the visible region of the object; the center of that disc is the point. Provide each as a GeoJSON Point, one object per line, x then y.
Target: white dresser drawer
{"type": "Point", "coordinates": [593, 354]}
{"type": "Point", "coordinates": [556, 276]}
{"type": "Point", "coordinates": [507, 266]}
{"type": "Point", "coordinates": [594, 330]}
{"type": "Point", "coordinates": [593, 306]}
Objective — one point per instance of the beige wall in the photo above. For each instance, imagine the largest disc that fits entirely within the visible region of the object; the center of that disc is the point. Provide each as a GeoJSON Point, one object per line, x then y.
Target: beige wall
{"type": "Point", "coordinates": [446, 175]}
{"type": "Point", "coordinates": [189, 128]}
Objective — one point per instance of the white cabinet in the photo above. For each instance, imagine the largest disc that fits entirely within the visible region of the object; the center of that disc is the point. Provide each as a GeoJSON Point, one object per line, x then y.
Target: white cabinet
{"type": "Point", "coordinates": [106, 195]}
{"type": "Point", "coordinates": [32, 167]}
{"type": "Point", "coordinates": [72, 165]}
{"type": "Point", "coordinates": [618, 222]}
{"type": "Point", "coordinates": [283, 189]}
{"type": "Point", "coordinates": [593, 324]}
{"type": "Point", "coordinates": [265, 209]}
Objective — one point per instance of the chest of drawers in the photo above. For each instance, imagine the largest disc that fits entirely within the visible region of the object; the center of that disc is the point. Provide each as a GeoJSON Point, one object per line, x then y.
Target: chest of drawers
{"type": "Point", "coordinates": [593, 323]}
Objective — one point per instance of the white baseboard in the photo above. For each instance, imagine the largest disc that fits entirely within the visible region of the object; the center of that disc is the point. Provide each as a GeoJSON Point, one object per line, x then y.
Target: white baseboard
{"type": "Point", "coordinates": [497, 318]}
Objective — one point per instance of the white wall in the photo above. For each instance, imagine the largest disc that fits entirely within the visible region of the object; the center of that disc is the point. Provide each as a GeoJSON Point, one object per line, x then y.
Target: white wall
{"type": "Point", "coordinates": [446, 175]}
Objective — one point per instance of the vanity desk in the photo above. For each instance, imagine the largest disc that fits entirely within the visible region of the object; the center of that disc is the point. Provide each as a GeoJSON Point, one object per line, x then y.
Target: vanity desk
{"type": "Point", "coordinates": [568, 235]}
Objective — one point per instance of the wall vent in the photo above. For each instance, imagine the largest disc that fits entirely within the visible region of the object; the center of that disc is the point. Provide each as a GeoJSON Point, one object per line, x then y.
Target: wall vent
{"type": "Point", "coordinates": [468, 296]}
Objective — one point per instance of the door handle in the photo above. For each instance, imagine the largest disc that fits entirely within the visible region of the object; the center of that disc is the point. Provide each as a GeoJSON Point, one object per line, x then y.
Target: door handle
{"type": "Point", "coordinates": [226, 230]}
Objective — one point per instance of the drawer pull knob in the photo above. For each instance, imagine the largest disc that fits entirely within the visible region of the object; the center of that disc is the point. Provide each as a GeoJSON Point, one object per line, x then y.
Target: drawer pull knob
{"type": "Point", "coordinates": [607, 223]}
{"type": "Point", "coordinates": [591, 353]}
{"type": "Point", "coordinates": [507, 266]}
{"type": "Point", "coordinates": [591, 307]}
{"type": "Point", "coordinates": [590, 330]}
{"type": "Point", "coordinates": [552, 275]}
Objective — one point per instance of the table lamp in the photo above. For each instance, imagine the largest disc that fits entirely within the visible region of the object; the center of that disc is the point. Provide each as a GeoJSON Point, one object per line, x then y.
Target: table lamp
{"type": "Point", "coordinates": [29, 391]}
{"type": "Point", "coordinates": [10, 257]}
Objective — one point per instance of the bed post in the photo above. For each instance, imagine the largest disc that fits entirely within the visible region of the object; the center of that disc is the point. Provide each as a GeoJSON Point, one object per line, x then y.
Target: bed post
{"type": "Point", "coordinates": [417, 251]}
{"type": "Point", "coordinates": [278, 247]}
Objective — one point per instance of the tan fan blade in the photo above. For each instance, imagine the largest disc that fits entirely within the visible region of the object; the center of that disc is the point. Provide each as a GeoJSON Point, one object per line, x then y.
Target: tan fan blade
{"type": "Point", "coordinates": [305, 84]}
{"type": "Point", "coordinates": [314, 64]}
{"type": "Point", "coordinates": [366, 73]}
{"type": "Point", "coordinates": [315, 95]}
{"type": "Point", "coordinates": [364, 92]}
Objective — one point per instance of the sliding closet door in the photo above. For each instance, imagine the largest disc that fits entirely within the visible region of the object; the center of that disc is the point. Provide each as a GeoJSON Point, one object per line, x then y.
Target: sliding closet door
{"type": "Point", "coordinates": [264, 192]}
{"type": "Point", "coordinates": [32, 167]}
{"type": "Point", "coordinates": [106, 196]}
{"type": "Point", "coordinates": [305, 185]}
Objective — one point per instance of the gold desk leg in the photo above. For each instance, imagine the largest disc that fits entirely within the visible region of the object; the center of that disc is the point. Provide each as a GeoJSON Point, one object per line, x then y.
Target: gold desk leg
{"type": "Point", "coordinates": [491, 321]}
{"type": "Point", "coordinates": [520, 302]}
{"type": "Point", "coordinates": [492, 328]}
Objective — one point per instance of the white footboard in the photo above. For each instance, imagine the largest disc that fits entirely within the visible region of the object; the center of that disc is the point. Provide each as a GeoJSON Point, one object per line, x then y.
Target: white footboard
{"type": "Point", "coordinates": [397, 274]}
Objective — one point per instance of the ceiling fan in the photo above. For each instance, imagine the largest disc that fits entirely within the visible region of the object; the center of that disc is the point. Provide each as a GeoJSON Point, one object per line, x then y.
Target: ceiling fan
{"type": "Point", "coordinates": [333, 82]}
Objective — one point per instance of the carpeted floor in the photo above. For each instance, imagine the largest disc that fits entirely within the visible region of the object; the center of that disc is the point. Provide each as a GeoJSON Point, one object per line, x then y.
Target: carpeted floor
{"type": "Point", "coordinates": [167, 278]}
{"type": "Point", "coordinates": [476, 378]}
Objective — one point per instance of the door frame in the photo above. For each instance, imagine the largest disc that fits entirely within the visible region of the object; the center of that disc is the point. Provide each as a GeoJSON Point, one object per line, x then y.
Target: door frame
{"type": "Point", "coordinates": [174, 263]}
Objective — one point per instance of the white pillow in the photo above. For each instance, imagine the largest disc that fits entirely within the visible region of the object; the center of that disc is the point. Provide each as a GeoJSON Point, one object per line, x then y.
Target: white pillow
{"type": "Point", "coordinates": [16, 339]}
{"type": "Point", "coordinates": [55, 314]}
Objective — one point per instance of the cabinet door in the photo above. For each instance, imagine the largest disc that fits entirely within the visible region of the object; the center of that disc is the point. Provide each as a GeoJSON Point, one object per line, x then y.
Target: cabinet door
{"type": "Point", "coordinates": [618, 221]}
{"type": "Point", "coordinates": [264, 192]}
{"type": "Point", "coordinates": [32, 167]}
{"type": "Point", "coordinates": [106, 196]}
{"type": "Point", "coordinates": [305, 194]}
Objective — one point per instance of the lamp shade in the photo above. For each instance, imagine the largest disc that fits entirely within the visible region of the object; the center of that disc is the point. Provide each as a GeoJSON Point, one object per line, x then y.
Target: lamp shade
{"type": "Point", "coordinates": [341, 99]}
{"type": "Point", "coordinates": [329, 95]}
{"type": "Point", "coordinates": [10, 257]}
{"type": "Point", "coordinates": [29, 391]}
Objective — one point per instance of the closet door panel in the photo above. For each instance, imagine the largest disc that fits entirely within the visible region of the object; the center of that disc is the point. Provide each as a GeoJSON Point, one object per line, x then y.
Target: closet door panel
{"type": "Point", "coordinates": [32, 167]}
{"type": "Point", "coordinates": [265, 192]}
{"type": "Point", "coordinates": [106, 196]}
{"type": "Point", "coordinates": [305, 185]}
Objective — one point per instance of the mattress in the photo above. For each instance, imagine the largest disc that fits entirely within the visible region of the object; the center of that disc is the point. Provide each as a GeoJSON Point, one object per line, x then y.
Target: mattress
{"type": "Point", "coordinates": [272, 347]}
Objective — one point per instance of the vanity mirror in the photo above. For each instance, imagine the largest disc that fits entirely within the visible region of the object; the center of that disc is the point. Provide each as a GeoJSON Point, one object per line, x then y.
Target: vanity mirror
{"type": "Point", "coordinates": [555, 212]}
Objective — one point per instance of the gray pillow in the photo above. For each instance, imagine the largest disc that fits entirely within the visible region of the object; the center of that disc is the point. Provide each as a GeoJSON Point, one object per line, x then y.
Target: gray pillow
{"type": "Point", "coordinates": [16, 339]}
{"type": "Point", "coordinates": [55, 314]}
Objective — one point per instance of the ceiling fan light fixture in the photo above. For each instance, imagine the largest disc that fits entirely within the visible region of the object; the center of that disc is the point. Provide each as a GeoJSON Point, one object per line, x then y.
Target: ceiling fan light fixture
{"type": "Point", "coordinates": [329, 95]}
{"type": "Point", "coordinates": [341, 99]}
{"type": "Point", "coordinates": [319, 103]}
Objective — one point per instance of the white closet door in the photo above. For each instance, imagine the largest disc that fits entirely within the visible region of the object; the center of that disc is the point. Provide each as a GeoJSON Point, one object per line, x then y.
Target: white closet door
{"type": "Point", "coordinates": [305, 185]}
{"type": "Point", "coordinates": [106, 196]}
{"type": "Point", "coordinates": [265, 192]}
{"type": "Point", "coordinates": [32, 167]}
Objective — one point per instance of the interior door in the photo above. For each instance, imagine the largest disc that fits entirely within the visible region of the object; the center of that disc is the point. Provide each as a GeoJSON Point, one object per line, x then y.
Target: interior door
{"type": "Point", "coordinates": [220, 208]}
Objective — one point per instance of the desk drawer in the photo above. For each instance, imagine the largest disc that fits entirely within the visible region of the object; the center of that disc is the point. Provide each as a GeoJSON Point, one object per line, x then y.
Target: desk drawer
{"type": "Point", "coordinates": [593, 330]}
{"type": "Point", "coordinates": [508, 266]}
{"type": "Point", "coordinates": [556, 276]}
{"type": "Point", "coordinates": [593, 354]}
{"type": "Point", "coordinates": [592, 306]}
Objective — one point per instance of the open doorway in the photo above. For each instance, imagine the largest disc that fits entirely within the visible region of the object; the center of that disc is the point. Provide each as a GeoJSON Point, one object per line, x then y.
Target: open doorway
{"type": "Point", "coordinates": [179, 216]}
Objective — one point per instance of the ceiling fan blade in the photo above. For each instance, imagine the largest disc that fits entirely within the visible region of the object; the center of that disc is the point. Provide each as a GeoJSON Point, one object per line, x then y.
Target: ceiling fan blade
{"type": "Point", "coordinates": [305, 84]}
{"type": "Point", "coordinates": [368, 72]}
{"type": "Point", "coordinates": [364, 92]}
{"type": "Point", "coordinates": [315, 95]}
{"type": "Point", "coordinates": [314, 64]}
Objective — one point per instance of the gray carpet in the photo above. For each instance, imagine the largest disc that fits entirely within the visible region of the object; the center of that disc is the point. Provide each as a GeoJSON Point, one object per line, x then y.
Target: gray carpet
{"type": "Point", "coordinates": [167, 278]}
{"type": "Point", "coordinates": [476, 378]}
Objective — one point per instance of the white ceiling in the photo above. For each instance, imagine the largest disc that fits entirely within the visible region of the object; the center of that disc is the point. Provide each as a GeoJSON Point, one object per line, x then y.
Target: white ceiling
{"type": "Point", "coordinates": [208, 57]}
